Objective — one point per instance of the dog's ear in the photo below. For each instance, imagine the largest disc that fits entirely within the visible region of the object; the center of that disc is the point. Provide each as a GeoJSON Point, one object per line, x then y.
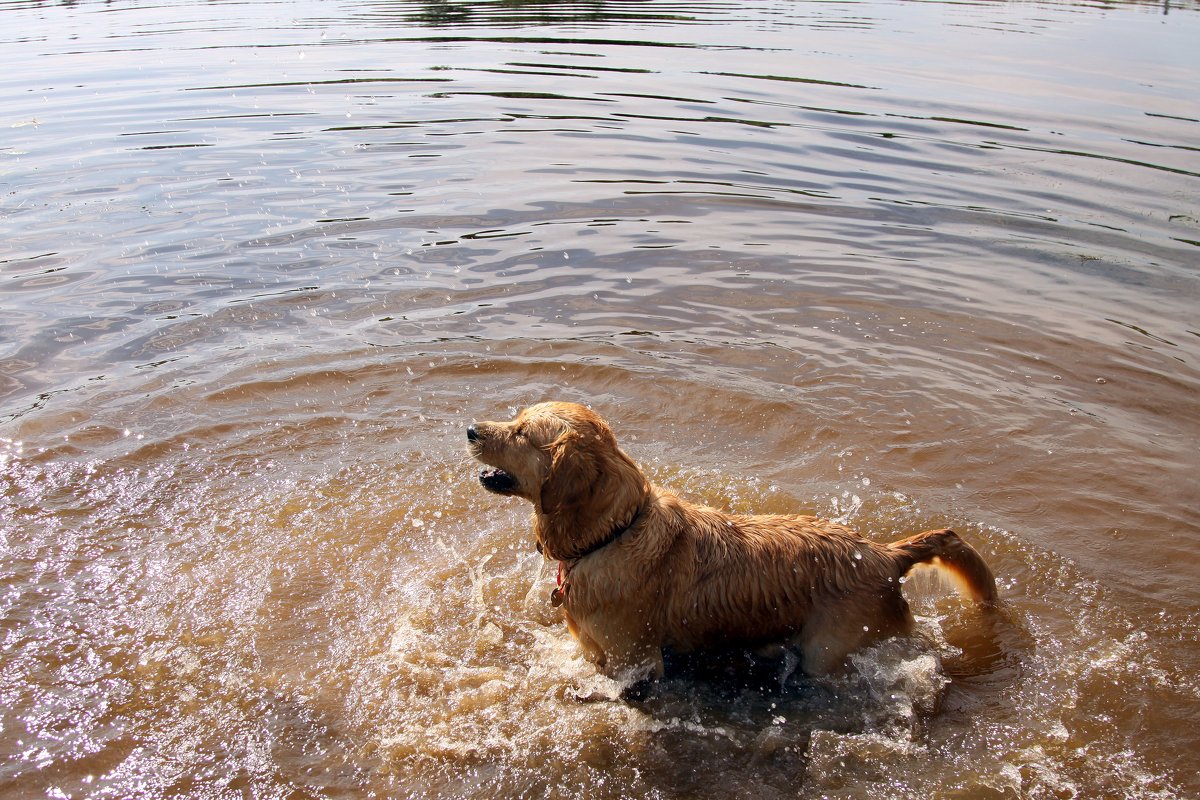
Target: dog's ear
{"type": "Point", "coordinates": [591, 488]}
{"type": "Point", "coordinates": [570, 482]}
{"type": "Point", "coordinates": [572, 516]}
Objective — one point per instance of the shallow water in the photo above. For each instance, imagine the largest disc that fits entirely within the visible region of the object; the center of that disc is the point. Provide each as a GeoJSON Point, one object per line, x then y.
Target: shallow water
{"type": "Point", "coordinates": [904, 264]}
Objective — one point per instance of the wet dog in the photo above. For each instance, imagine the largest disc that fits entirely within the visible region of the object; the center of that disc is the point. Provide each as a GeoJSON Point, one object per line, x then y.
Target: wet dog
{"type": "Point", "coordinates": [642, 571]}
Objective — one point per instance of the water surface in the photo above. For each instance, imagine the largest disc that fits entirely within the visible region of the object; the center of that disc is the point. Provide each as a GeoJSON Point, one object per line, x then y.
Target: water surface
{"type": "Point", "coordinates": [904, 264]}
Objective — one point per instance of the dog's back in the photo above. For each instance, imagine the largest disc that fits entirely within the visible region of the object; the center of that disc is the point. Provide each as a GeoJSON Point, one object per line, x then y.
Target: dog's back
{"type": "Point", "coordinates": [801, 580]}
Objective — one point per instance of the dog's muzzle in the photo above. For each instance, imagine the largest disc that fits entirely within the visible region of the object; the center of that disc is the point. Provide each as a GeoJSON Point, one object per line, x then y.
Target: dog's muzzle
{"type": "Point", "coordinates": [493, 479]}
{"type": "Point", "coordinates": [498, 481]}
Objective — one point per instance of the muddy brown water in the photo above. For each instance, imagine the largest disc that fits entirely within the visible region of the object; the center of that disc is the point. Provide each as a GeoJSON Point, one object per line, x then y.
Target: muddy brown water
{"type": "Point", "coordinates": [902, 264]}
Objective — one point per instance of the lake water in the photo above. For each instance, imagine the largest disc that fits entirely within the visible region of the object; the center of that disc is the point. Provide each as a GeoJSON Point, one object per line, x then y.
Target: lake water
{"type": "Point", "coordinates": [905, 264]}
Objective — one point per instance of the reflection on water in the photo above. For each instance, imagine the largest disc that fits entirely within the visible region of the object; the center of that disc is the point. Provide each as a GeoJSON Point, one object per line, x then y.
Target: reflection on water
{"type": "Point", "coordinates": [902, 264]}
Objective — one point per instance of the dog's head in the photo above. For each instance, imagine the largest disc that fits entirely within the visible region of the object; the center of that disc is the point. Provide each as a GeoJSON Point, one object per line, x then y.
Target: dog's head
{"type": "Point", "coordinates": [564, 459]}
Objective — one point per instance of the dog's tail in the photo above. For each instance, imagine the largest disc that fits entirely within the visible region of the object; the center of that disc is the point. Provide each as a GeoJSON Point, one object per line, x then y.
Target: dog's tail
{"type": "Point", "coordinates": [954, 558]}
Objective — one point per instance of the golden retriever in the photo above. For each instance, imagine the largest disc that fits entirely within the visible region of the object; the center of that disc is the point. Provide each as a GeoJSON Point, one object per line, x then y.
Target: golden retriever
{"type": "Point", "coordinates": [641, 570]}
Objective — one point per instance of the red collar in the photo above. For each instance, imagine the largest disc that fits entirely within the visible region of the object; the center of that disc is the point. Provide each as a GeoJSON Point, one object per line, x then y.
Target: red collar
{"type": "Point", "coordinates": [613, 535]}
{"type": "Point", "coordinates": [563, 578]}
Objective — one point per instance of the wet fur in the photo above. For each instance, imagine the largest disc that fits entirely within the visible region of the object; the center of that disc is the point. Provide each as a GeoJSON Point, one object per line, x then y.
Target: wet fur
{"type": "Point", "coordinates": [646, 571]}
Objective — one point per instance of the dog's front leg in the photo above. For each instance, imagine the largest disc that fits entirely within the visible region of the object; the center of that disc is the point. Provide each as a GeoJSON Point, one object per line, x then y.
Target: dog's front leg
{"type": "Point", "coordinates": [624, 650]}
{"type": "Point", "coordinates": [633, 669]}
{"type": "Point", "coordinates": [632, 660]}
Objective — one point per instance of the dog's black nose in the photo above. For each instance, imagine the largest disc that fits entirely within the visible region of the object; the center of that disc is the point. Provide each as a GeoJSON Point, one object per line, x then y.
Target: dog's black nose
{"type": "Point", "coordinates": [472, 434]}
